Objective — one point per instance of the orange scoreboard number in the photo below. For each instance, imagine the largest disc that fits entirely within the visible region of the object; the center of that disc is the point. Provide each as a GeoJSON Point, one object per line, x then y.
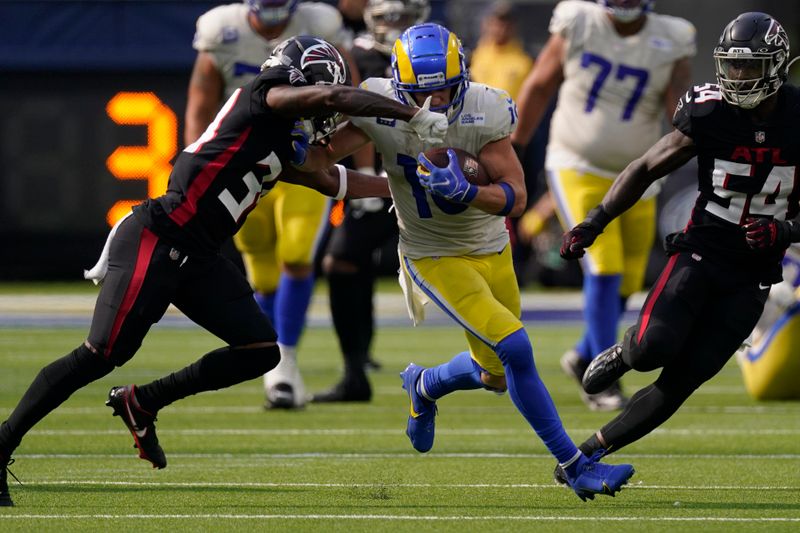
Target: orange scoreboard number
{"type": "Point", "coordinates": [151, 162]}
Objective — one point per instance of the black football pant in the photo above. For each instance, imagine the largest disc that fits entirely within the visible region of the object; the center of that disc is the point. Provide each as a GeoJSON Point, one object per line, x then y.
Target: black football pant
{"type": "Point", "coordinates": [356, 241]}
{"type": "Point", "coordinates": [145, 275]}
{"type": "Point", "coordinates": [694, 319]}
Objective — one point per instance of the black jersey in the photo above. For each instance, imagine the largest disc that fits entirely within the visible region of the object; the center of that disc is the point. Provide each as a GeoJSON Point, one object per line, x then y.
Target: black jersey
{"type": "Point", "coordinates": [745, 169]}
{"type": "Point", "coordinates": [218, 179]}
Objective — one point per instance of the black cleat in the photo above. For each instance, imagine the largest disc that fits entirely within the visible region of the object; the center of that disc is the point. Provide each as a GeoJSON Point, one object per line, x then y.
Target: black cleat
{"type": "Point", "coordinates": [559, 476]}
{"type": "Point", "coordinates": [5, 495]}
{"type": "Point", "coordinates": [139, 422]}
{"type": "Point", "coordinates": [604, 370]}
{"type": "Point", "coordinates": [611, 399]}
{"type": "Point", "coordinates": [345, 391]}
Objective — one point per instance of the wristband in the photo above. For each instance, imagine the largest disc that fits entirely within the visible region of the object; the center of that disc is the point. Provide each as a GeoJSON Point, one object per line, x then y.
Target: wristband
{"type": "Point", "coordinates": [511, 197]}
{"type": "Point", "coordinates": [342, 182]}
{"type": "Point", "coordinates": [598, 217]}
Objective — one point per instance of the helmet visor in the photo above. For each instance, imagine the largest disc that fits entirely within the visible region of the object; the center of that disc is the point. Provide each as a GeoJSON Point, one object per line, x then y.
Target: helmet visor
{"type": "Point", "coordinates": [743, 79]}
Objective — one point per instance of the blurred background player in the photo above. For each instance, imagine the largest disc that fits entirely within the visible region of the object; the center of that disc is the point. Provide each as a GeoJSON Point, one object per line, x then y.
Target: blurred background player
{"type": "Point", "coordinates": [278, 240]}
{"type": "Point", "coordinates": [352, 12]}
{"type": "Point", "coordinates": [368, 224]}
{"type": "Point", "coordinates": [770, 362]}
{"type": "Point", "coordinates": [454, 246]}
{"type": "Point", "coordinates": [500, 60]}
{"type": "Point", "coordinates": [618, 68]}
{"type": "Point", "coordinates": [712, 290]}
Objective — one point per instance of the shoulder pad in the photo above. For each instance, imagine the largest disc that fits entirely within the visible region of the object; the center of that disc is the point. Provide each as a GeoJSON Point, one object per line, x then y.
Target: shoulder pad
{"type": "Point", "coordinates": [569, 15]}
{"type": "Point", "coordinates": [680, 31]}
{"type": "Point", "coordinates": [698, 102]}
{"type": "Point", "coordinates": [219, 26]}
{"type": "Point", "coordinates": [322, 20]}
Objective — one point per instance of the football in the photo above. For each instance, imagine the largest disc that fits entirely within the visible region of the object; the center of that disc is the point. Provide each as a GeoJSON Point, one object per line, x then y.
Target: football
{"type": "Point", "coordinates": [470, 166]}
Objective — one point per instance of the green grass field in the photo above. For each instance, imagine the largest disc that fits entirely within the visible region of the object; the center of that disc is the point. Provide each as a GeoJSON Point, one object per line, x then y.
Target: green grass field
{"type": "Point", "coordinates": [723, 463]}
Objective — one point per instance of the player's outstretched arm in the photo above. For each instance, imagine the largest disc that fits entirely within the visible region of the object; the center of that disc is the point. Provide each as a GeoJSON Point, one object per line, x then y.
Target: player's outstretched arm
{"type": "Point", "coordinates": [671, 152]}
{"type": "Point", "coordinates": [322, 99]}
{"type": "Point", "coordinates": [339, 183]}
{"type": "Point", "coordinates": [346, 141]}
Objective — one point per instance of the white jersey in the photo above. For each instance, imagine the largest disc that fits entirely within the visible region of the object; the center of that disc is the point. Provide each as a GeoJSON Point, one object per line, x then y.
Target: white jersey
{"type": "Point", "coordinates": [611, 103]}
{"type": "Point", "coordinates": [429, 225]}
{"type": "Point", "coordinates": [225, 33]}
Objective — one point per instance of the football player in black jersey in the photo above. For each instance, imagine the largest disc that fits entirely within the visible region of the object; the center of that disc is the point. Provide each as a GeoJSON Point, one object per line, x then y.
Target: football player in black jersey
{"type": "Point", "coordinates": [711, 293]}
{"type": "Point", "coordinates": [368, 225]}
{"type": "Point", "coordinates": [167, 252]}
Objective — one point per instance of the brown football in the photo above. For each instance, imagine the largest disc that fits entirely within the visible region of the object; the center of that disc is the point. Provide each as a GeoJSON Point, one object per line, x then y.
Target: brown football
{"type": "Point", "coordinates": [470, 166]}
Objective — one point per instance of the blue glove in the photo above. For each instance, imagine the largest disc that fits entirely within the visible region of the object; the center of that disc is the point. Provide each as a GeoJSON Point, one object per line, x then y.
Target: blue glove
{"type": "Point", "coordinates": [300, 143]}
{"type": "Point", "coordinates": [448, 182]}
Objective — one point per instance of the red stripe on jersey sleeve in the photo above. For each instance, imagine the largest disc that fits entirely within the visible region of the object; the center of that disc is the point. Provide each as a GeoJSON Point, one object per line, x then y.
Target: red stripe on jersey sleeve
{"type": "Point", "coordinates": [184, 212]}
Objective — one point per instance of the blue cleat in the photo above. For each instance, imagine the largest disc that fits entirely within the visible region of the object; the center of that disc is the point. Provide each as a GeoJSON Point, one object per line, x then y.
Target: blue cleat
{"type": "Point", "coordinates": [593, 477]}
{"type": "Point", "coordinates": [421, 423]}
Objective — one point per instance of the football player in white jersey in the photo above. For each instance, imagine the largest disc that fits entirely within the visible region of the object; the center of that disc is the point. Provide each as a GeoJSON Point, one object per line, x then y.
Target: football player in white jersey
{"type": "Point", "coordinates": [454, 246]}
{"type": "Point", "coordinates": [278, 240]}
{"type": "Point", "coordinates": [618, 68]}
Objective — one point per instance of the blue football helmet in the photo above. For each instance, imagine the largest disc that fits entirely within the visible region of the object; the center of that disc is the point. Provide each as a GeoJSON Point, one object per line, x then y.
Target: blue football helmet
{"type": "Point", "coordinates": [429, 57]}
{"type": "Point", "coordinates": [272, 12]}
{"type": "Point", "coordinates": [627, 10]}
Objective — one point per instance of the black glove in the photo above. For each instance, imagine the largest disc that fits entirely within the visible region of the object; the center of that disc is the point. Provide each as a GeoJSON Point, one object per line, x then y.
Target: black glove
{"type": "Point", "coordinates": [764, 233]}
{"type": "Point", "coordinates": [575, 241]}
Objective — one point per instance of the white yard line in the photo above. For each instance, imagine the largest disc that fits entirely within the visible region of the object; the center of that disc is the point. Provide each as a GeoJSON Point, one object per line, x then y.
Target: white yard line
{"type": "Point", "coordinates": [346, 432]}
{"type": "Point", "coordinates": [259, 484]}
{"type": "Point", "coordinates": [380, 517]}
{"type": "Point", "coordinates": [249, 457]}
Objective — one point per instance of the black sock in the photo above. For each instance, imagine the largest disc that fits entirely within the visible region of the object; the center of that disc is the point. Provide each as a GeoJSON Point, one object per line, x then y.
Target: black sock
{"type": "Point", "coordinates": [647, 409]}
{"type": "Point", "coordinates": [351, 310]}
{"type": "Point", "coordinates": [590, 445]}
{"type": "Point", "coordinates": [50, 388]}
{"type": "Point", "coordinates": [215, 370]}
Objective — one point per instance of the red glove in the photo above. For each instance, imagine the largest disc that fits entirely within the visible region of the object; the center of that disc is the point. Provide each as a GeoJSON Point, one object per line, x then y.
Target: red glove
{"type": "Point", "coordinates": [575, 241]}
{"type": "Point", "coordinates": [764, 233]}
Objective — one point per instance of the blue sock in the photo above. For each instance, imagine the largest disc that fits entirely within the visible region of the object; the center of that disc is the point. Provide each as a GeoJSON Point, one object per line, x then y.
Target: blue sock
{"type": "Point", "coordinates": [460, 373]}
{"type": "Point", "coordinates": [601, 310]}
{"type": "Point", "coordinates": [291, 304]}
{"type": "Point", "coordinates": [266, 301]}
{"type": "Point", "coordinates": [530, 396]}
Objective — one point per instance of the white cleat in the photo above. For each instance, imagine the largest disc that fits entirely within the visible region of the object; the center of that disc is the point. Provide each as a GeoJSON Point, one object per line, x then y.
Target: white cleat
{"type": "Point", "coordinates": [283, 385]}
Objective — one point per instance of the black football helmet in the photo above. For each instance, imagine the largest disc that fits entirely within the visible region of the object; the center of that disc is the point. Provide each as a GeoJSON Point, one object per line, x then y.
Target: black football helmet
{"type": "Point", "coordinates": [312, 61]}
{"type": "Point", "coordinates": [751, 59]}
